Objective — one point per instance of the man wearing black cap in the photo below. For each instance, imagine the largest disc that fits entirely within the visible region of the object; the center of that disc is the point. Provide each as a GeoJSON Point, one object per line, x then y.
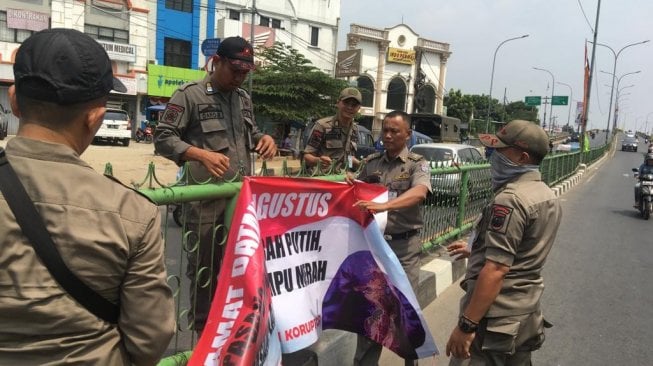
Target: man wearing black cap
{"type": "Point", "coordinates": [500, 321]}
{"type": "Point", "coordinates": [334, 138]}
{"type": "Point", "coordinates": [108, 235]}
{"type": "Point", "coordinates": [210, 124]}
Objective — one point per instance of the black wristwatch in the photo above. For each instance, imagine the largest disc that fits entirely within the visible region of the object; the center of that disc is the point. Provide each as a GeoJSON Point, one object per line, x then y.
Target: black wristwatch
{"type": "Point", "coordinates": [466, 326]}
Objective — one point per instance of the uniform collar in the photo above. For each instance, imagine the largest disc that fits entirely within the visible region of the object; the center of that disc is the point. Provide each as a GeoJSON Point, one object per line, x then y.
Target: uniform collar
{"type": "Point", "coordinates": [41, 150]}
{"type": "Point", "coordinates": [534, 176]}
{"type": "Point", "coordinates": [403, 155]}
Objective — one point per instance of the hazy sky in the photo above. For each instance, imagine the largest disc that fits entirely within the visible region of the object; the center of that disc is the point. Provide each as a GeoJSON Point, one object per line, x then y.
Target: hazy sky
{"type": "Point", "coordinates": [557, 31]}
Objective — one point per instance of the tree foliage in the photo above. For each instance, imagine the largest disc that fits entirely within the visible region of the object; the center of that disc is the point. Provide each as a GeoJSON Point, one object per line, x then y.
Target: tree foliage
{"type": "Point", "coordinates": [287, 87]}
{"type": "Point", "coordinates": [469, 107]}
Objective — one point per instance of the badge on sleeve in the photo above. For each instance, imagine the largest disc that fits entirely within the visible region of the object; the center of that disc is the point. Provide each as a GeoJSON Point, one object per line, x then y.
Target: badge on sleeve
{"type": "Point", "coordinates": [172, 114]}
{"type": "Point", "coordinates": [425, 167]}
{"type": "Point", "coordinates": [500, 218]}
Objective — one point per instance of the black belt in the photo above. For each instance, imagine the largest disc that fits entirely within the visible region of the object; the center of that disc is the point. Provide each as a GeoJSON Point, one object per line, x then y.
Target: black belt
{"type": "Point", "coordinates": [401, 236]}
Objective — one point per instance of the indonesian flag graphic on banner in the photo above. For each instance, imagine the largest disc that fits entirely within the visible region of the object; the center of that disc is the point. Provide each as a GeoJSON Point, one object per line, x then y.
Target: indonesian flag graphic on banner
{"type": "Point", "coordinates": [299, 259]}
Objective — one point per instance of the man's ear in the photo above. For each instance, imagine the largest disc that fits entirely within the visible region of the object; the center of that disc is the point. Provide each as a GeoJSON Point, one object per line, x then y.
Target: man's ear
{"type": "Point", "coordinates": [95, 117]}
{"type": "Point", "coordinates": [13, 103]}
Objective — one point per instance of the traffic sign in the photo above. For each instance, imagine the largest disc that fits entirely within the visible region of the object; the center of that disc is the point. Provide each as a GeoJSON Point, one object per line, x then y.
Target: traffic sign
{"type": "Point", "coordinates": [210, 46]}
{"type": "Point", "coordinates": [533, 100]}
{"type": "Point", "coordinates": [560, 100]}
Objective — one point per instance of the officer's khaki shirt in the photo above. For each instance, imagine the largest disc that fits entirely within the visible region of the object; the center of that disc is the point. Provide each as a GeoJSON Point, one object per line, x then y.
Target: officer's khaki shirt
{"type": "Point", "coordinates": [110, 237]}
{"type": "Point", "coordinates": [517, 229]}
{"type": "Point", "coordinates": [398, 175]}
{"type": "Point", "coordinates": [329, 138]}
{"type": "Point", "coordinates": [199, 115]}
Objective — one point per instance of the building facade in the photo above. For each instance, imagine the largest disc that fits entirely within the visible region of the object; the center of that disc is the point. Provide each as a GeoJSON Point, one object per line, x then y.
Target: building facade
{"type": "Point", "coordinates": [120, 26]}
{"type": "Point", "coordinates": [309, 26]}
{"type": "Point", "coordinates": [395, 69]}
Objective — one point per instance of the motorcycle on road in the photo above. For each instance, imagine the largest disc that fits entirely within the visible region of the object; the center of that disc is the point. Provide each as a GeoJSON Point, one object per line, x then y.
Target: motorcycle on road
{"type": "Point", "coordinates": [644, 193]}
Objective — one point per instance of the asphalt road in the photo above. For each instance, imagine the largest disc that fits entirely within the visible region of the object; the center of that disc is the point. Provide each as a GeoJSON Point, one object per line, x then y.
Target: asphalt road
{"type": "Point", "coordinates": [598, 291]}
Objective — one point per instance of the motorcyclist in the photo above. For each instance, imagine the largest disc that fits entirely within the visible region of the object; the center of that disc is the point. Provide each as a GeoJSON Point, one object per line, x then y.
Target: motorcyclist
{"type": "Point", "coordinates": [645, 168]}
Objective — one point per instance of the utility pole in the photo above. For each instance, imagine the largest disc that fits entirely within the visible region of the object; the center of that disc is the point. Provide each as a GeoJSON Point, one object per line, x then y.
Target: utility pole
{"type": "Point", "coordinates": [546, 102]}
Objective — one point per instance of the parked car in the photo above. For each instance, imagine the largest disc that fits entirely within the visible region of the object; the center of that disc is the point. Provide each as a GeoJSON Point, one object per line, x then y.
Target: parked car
{"type": "Point", "coordinates": [4, 122]}
{"type": "Point", "coordinates": [443, 155]}
{"type": "Point", "coordinates": [630, 144]}
{"type": "Point", "coordinates": [116, 127]}
{"type": "Point", "coordinates": [365, 145]}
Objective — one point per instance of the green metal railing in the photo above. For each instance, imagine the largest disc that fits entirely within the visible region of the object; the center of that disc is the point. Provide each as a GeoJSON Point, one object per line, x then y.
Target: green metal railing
{"type": "Point", "coordinates": [459, 195]}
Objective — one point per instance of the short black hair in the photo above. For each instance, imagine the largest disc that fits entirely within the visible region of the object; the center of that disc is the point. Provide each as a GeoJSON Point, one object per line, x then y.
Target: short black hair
{"type": "Point", "coordinates": [401, 114]}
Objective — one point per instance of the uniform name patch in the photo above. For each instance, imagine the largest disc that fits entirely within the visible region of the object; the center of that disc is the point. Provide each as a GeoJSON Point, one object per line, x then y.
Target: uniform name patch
{"type": "Point", "coordinates": [209, 111]}
{"type": "Point", "coordinates": [500, 218]}
{"type": "Point", "coordinates": [172, 114]}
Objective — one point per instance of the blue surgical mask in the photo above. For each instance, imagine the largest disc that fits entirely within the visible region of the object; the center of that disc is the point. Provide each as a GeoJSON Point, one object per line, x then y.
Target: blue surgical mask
{"type": "Point", "coordinates": [504, 170]}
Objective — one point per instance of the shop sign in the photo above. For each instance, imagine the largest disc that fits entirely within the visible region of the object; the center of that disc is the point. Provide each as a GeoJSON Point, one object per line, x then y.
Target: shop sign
{"type": "Point", "coordinates": [27, 19]}
{"type": "Point", "coordinates": [401, 56]}
{"type": "Point", "coordinates": [119, 51]}
{"type": "Point", "coordinates": [162, 81]}
{"type": "Point", "coordinates": [348, 63]}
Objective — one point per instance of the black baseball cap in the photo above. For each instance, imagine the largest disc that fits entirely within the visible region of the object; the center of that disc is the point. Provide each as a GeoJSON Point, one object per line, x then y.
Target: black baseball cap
{"type": "Point", "coordinates": [238, 52]}
{"type": "Point", "coordinates": [63, 66]}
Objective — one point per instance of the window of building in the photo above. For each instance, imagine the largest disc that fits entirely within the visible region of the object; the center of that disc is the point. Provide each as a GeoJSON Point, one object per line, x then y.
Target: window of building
{"type": "Point", "coordinates": [276, 23]}
{"type": "Point", "coordinates": [396, 95]}
{"type": "Point", "coordinates": [234, 14]}
{"type": "Point", "coordinates": [315, 35]}
{"type": "Point", "coordinates": [107, 34]}
{"type": "Point", "coordinates": [176, 52]}
{"type": "Point", "coordinates": [9, 34]}
{"type": "Point", "coordinates": [181, 5]}
{"type": "Point", "coordinates": [264, 21]}
{"type": "Point", "coordinates": [366, 88]}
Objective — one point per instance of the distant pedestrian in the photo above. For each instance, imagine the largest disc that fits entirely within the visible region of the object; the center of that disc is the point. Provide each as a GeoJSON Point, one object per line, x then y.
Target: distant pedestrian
{"type": "Point", "coordinates": [500, 320]}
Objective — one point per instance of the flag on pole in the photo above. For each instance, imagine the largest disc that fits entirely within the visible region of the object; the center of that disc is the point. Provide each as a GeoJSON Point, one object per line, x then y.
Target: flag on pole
{"type": "Point", "coordinates": [586, 80]}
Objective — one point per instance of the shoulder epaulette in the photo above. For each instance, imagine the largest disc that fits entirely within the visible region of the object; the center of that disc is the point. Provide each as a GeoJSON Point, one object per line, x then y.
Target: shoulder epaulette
{"type": "Point", "coordinates": [373, 156]}
{"type": "Point", "coordinates": [184, 86]}
{"type": "Point", "coordinates": [115, 180]}
{"type": "Point", "coordinates": [324, 120]}
{"type": "Point", "coordinates": [415, 157]}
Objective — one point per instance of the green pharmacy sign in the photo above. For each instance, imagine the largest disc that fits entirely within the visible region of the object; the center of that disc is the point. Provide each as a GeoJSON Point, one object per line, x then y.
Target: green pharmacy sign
{"type": "Point", "coordinates": [162, 81]}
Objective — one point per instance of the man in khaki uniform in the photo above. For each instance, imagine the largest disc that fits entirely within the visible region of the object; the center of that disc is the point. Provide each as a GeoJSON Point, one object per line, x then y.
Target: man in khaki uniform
{"type": "Point", "coordinates": [108, 235]}
{"type": "Point", "coordinates": [500, 321]}
{"type": "Point", "coordinates": [408, 180]}
{"type": "Point", "coordinates": [334, 139]}
{"type": "Point", "coordinates": [210, 123]}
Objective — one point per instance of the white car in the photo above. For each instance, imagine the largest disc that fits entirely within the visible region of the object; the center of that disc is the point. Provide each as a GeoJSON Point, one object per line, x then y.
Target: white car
{"type": "Point", "coordinates": [443, 155]}
{"type": "Point", "coordinates": [116, 127]}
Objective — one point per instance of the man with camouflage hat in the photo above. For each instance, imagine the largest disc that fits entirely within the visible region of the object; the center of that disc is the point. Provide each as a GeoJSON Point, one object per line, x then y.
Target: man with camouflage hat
{"type": "Point", "coordinates": [500, 321]}
{"type": "Point", "coordinates": [334, 138]}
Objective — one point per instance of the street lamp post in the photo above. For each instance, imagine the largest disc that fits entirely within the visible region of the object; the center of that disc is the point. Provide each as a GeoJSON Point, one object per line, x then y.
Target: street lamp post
{"type": "Point", "coordinates": [614, 71]}
{"type": "Point", "coordinates": [614, 124]}
{"type": "Point", "coordinates": [571, 98]}
{"type": "Point", "coordinates": [494, 60]}
{"type": "Point", "coordinates": [552, 94]}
